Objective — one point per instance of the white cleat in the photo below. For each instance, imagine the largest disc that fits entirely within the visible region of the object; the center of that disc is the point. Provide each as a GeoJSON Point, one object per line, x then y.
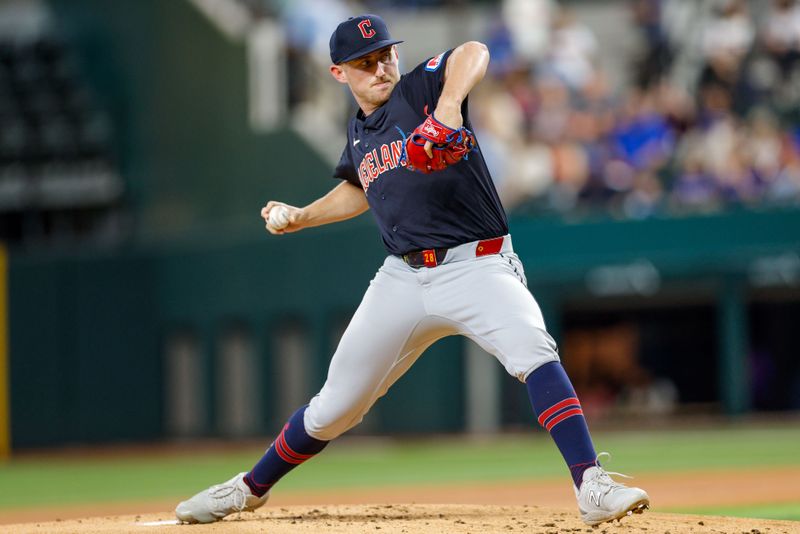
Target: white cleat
{"type": "Point", "coordinates": [219, 501]}
{"type": "Point", "coordinates": [601, 499]}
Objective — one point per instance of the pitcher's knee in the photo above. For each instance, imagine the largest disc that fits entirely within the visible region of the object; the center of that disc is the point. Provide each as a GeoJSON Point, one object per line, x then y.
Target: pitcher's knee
{"type": "Point", "coordinates": [329, 422]}
{"type": "Point", "coordinates": [532, 350]}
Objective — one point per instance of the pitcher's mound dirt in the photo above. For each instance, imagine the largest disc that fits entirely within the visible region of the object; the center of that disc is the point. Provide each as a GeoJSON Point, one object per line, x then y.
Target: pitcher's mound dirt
{"type": "Point", "coordinates": [412, 519]}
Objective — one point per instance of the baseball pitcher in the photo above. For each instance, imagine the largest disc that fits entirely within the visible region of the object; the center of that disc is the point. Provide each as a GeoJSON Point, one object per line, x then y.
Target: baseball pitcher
{"type": "Point", "coordinates": [412, 160]}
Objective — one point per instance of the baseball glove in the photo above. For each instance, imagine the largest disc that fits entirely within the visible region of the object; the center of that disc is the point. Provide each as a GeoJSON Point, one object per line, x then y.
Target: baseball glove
{"type": "Point", "coordinates": [449, 146]}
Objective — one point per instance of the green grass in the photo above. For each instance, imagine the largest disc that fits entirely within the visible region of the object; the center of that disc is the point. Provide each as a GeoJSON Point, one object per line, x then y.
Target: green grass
{"type": "Point", "coordinates": [790, 511]}
{"type": "Point", "coordinates": [359, 463]}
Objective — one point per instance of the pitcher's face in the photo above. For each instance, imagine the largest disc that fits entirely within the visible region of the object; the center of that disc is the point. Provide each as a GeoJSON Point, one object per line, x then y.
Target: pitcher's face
{"type": "Point", "coordinates": [371, 78]}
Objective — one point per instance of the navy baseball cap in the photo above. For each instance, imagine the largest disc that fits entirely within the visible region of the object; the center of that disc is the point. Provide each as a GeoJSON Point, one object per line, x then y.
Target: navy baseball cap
{"type": "Point", "coordinates": [358, 36]}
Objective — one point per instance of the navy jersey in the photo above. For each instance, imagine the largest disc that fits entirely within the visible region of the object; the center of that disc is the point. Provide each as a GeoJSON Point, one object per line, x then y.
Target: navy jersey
{"type": "Point", "coordinates": [418, 211]}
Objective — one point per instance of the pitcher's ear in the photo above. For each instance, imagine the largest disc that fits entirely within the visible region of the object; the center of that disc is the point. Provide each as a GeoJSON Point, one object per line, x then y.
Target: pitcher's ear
{"type": "Point", "coordinates": [338, 73]}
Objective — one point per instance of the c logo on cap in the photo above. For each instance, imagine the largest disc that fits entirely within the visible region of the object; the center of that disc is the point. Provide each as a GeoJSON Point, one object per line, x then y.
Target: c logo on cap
{"type": "Point", "coordinates": [366, 29]}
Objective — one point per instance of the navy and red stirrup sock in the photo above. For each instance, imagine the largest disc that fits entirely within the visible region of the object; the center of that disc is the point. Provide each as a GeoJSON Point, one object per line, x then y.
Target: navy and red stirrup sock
{"type": "Point", "coordinates": [291, 448]}
{"type": "Point", "coordinates": [559, 411]}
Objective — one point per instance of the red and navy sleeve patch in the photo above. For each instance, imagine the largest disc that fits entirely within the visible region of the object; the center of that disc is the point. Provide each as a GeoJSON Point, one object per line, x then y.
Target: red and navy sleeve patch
{"type": "Point", "coordinates": [434, 63]}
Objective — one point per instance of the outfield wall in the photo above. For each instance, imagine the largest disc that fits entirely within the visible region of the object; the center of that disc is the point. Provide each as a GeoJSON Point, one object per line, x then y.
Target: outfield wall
{"type": "Point", "coordinates": [93, 336]}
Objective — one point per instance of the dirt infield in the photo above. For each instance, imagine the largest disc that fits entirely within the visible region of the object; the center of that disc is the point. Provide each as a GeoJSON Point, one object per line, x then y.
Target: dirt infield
{"type": "Point", "coordinates": [414, 518]}
{"type": "Point", "coordinates": [476, 508]}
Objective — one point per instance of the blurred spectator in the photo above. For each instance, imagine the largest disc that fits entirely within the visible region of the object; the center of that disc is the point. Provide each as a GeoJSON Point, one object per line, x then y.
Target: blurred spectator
{"type": "Point", "coordinates": [550, 118]}
{"type": "Point", "coordinates": [764, 144]}
{"type": "Point", "coordinates": [643, 137]}
{"type": "Point", "coordinates": [528, 24]}
{"type": "Point", "coordinates": [572, 50]}
{"type": "Point", "coordinates": [503, 115]}
{"type": "Point", "coordinates": [727, 39]}
{"type": "Point", "coordinates": [645, 198]}
{"type": "Point", "coordinates": [728, 36]}
{"type": "Point", "coordinates": [570, 173]}
{"type": "Point", "coordinates": [785, 188]}
{"type": "Point", "coordinates": [781, 34]}
{"type": "Point", "coordinates": [694, 189]}
{"type": "Point", "coordinates": [656, 54]}
{"type": "Point", "coordinates": [501, 48]}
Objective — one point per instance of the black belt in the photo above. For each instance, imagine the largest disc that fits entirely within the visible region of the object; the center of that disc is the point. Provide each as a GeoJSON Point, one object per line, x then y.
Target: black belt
{"type": "Point", "coordinates": [425, 258]}
{"type": "Point", "coordinates": [435, 256]}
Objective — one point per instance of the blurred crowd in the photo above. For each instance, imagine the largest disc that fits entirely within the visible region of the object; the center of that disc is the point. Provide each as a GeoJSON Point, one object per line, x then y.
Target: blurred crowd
{"type": "Point", "coordinates": [721, 133]}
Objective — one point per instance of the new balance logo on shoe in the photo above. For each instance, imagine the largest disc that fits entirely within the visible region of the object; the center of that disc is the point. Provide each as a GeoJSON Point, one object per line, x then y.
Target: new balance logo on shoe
{"type": "Point", "coordinates": [602, 499]}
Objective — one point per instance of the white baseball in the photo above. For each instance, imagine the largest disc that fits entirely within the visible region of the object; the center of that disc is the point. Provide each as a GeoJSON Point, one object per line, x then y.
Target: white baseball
{"type": "Point", "coordinates": [279, 217]}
